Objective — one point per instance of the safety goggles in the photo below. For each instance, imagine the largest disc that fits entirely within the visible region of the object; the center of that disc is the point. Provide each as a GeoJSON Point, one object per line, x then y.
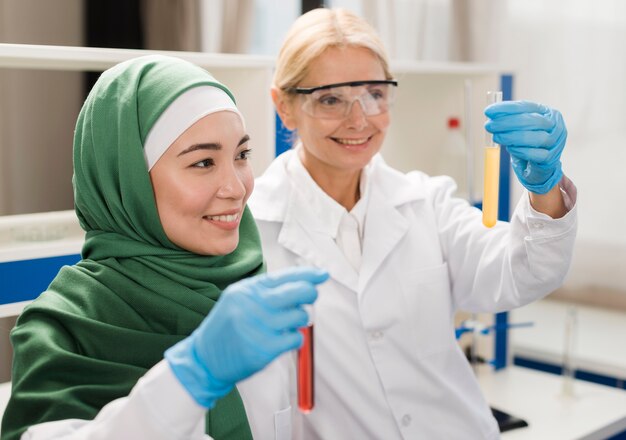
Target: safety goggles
{"type": "Point", "coordinates": [334, 101]}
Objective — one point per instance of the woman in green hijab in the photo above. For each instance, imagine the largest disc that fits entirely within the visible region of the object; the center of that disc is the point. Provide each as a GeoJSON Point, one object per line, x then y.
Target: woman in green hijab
{"type": "Point", "coordinates": [132, 342]}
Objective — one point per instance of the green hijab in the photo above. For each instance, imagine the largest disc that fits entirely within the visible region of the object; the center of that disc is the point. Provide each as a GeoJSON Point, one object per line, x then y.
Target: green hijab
{"type": "Point", "coordinates": [105, 321]}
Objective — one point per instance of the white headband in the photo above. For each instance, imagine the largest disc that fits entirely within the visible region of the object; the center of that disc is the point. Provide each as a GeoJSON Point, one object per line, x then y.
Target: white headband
{"type": "Point", "coordinates": [181, 114]}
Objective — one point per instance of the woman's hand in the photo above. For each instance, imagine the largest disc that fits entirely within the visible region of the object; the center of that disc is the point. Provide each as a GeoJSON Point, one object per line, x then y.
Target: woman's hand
{"type": "Point", "coordinates": [534, 135]}
{"type": "Point", "coordinates": [254, 321]}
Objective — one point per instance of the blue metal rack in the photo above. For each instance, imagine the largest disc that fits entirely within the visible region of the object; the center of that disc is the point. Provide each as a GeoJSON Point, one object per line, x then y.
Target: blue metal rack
{"type": "Point", "coordinates": [502, 319]}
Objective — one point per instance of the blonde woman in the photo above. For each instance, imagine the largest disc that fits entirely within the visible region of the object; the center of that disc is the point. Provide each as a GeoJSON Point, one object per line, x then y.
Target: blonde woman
{"type": "Point", "coordinates": [403, 254]}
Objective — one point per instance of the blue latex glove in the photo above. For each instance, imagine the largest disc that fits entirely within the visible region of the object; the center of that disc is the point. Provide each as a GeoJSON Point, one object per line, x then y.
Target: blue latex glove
{"type": "Point", "coordinates": [534, 135]}
{"type": "Point", "coordinates": [254, 321]}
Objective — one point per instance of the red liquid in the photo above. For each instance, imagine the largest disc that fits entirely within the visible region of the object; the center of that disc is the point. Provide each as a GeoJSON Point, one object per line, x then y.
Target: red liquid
{"type": "Point", "coordinates": [306, 384]}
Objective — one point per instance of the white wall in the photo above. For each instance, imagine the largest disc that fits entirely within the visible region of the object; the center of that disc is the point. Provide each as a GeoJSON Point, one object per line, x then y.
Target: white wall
{"type": "Point", "coordinates": [571, 55]}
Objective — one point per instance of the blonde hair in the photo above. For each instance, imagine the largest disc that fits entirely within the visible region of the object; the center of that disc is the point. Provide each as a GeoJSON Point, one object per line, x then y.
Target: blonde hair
{"type": "Point", "coordinates": [314, 32]}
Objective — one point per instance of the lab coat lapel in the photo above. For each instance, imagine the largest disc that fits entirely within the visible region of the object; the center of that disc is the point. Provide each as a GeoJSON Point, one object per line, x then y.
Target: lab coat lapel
{"type": "Point", "coordinates": [384, 228]}
{"type": "Point", "coordinates": [302, 234]}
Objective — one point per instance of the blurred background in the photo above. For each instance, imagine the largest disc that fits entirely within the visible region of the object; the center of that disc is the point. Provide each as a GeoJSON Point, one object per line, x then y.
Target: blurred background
{"type": "Point", "coordinates": [568, 54]}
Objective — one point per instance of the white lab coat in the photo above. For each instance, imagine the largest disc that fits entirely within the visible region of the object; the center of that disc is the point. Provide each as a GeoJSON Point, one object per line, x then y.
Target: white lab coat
{"type": "Point", "coordinates": [159, 408]}
{"type": "Point", "coordinates": [387, 362]}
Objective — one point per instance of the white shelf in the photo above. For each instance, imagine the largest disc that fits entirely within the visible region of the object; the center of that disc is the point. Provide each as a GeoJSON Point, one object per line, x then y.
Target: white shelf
{"type": "Point", "coordinates": [41, 235]}
{"type": "Point", "coordinates": [28, 56]}
{"type": "Point", "coordinates": [12, 309]}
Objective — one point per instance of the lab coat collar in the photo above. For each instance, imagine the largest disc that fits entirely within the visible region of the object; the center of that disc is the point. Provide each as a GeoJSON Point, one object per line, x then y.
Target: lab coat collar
{"type": "Point", "coordinates": [302, 233]}
{"type": "Point", "coordinates": [272, 194]}
{"type": "Point", "coordinates": [275, 199]}
{"type": "Point", "coordinates": [398, 188]}
{"type": "Point", "coordinates": [311, 224]}
{"type": "Point", "coordinates": [328, 212]}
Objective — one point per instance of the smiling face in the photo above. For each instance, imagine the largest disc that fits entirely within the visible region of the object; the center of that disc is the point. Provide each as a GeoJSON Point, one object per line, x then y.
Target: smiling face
{"type": "Point", "coordinates": [332, 146]}
{"type": "Point", "coordinates": [202, 183]}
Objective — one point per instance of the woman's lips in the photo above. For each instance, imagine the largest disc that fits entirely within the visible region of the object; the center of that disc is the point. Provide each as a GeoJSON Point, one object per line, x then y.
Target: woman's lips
{"type": "Point", "coordinates": [353, 143]}
{"type": "Point", "coordinates": [224, 221]}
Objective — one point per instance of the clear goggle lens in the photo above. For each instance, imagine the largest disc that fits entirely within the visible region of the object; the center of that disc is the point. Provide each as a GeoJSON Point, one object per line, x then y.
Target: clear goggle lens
{"type": "Point", "coordinates": [335, 101]}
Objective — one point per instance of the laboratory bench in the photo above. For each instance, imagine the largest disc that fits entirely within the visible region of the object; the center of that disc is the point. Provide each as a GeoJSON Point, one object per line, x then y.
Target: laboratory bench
{"type": "Point", "coordinates": [591, 412]}
{"type": "Point", "coordinates": [597, 353]}
{"type": "Point", "coordinates": [596, 411]}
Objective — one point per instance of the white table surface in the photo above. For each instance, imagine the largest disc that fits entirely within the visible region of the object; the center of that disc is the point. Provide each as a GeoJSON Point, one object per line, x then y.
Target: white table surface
{"type": "Point", "coordinates": [595, 412]}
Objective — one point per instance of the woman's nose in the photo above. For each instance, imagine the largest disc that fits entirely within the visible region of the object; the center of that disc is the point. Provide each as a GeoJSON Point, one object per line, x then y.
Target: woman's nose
{"type": "Point", "coordinates": [356, 117]}
{"type": "Point", "coordinates": [231, 186]}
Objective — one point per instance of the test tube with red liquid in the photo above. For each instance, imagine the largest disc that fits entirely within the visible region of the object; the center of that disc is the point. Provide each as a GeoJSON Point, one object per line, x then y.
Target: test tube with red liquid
{"type": "Point", "coordinates": [306, 369]}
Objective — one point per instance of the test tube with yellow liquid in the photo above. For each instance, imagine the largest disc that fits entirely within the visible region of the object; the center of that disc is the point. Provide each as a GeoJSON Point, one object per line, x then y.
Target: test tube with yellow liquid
{"type": "Point", "coordinates": [492, 172]}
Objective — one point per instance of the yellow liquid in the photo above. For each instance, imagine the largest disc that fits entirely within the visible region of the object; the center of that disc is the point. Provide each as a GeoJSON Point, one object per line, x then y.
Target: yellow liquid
{"type": "Point", "coordinates": [492, 180]}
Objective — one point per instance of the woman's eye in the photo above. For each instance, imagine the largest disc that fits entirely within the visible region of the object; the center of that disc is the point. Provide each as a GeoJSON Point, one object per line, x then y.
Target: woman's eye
{"type": "Point", "coordinates": [330, 100]}
{"type": "Point", "coordinates": [244, 154]}
{"type": "Point", "coordinates": [377, 94]}
{"type": "Point", "coordinates": [206, 163]}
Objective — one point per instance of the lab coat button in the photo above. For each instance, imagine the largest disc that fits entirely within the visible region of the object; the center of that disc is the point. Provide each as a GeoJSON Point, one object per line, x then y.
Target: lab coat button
{"type": "Point", "coordinates": [375, 336]}
{"type": "Point", "coordinates": [406, 420]}
{"type": "Point", "coordinates": [538, 225]}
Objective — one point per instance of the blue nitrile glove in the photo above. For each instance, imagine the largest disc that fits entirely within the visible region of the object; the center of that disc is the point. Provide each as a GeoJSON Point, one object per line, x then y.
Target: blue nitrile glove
{"type": "Point", "coordinates": [534, 135]}
{"type": "Point", "coordinates": [254, 321]}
